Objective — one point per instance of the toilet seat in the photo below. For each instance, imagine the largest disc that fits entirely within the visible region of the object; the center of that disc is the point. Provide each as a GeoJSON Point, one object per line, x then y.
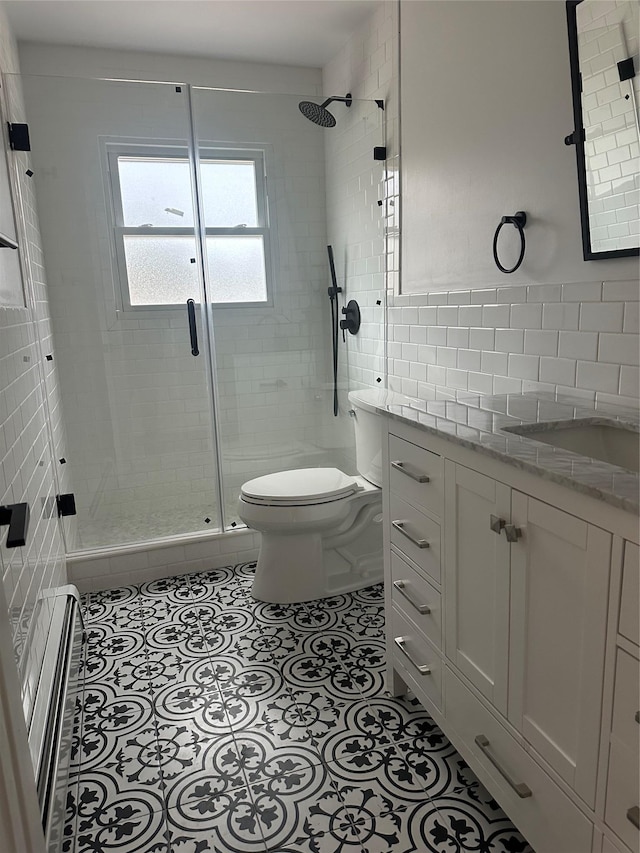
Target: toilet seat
{"type": "Point", "coordinates": [300, 487]}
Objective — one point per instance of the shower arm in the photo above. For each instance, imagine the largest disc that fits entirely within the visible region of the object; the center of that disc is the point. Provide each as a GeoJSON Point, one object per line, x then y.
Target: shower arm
{"type": "Point", "coordinates": [347, 100]}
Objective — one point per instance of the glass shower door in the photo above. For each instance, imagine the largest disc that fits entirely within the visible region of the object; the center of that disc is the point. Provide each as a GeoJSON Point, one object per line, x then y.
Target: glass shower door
{"type": "Point", "coordinates": [276, 189]}
{"type": "Point", "coordinates": [117, 215]}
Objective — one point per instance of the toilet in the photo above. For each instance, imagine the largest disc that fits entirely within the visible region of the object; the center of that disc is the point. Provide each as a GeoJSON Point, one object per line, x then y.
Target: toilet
{"type": "Point", "coordinates": [321, 529]}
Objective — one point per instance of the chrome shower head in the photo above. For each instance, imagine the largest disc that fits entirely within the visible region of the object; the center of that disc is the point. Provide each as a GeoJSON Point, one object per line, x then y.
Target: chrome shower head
{"type": "Point", "coordinates": [319, 114]}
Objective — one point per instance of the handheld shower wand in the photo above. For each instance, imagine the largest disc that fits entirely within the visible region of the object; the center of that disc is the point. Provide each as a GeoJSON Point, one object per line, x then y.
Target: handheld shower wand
{"type": "Point", "coordinates": [333, 292]}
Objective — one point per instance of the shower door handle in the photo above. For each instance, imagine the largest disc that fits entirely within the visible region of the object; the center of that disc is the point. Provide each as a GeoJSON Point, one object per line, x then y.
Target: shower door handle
{"type": "Point", "coordinates": [193, 331]}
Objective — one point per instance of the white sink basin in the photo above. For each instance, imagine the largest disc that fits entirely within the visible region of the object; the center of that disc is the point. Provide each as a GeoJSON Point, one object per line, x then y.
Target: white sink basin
{"type": "Point", "coordinates": [608, 441]}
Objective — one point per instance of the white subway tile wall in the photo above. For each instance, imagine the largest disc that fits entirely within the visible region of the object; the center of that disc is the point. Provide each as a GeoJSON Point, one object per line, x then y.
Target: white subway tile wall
{"type": "Point", "coordinates": [587, 348]}
{"type": "Point", "coordinates": [362, 213]}
{"type": "Point", "coordinates": [29, 453]}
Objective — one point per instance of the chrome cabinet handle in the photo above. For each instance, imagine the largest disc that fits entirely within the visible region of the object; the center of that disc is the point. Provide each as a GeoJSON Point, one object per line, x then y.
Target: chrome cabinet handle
{"type": "Point", "coordinates": [399, 526]}
{"type": "Point", "coordinates": [401, 586]}
{"type": "Point", "coordinates": [522, 790]}
{"type": "Point", "coordinates": [496, 524]}
{"type": "Point", "coordinates": [512, 532]}
{"type": "Point", "coordinates": [415, 475]}
{"type": "Point", "coordinates": [422, 668]}
{"type": "Point", "coordinates": [633, 815]}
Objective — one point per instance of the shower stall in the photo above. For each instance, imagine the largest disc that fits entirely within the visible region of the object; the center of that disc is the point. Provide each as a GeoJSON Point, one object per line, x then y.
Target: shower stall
{"type": "Point", "coordinates": [185, 234]}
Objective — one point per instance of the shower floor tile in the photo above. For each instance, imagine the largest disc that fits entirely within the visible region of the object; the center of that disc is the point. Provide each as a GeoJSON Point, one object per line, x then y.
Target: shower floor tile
{"type": "Point", "coordinates": [214, 722]}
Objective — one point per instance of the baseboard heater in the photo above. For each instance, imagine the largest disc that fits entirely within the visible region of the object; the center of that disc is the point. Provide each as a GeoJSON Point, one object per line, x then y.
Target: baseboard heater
{"type": "Point", "coordinates": [52, 719]}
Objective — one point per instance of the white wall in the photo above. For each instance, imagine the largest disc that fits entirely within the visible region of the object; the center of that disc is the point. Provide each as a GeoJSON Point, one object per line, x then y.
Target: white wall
{"type": "Point", "coordinates": [27, 461]}
{"type": "Point", "coordinates": [486, 104]}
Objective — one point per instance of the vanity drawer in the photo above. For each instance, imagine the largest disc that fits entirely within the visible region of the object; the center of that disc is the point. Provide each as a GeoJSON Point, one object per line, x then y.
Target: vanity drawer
{"type": "Point", "coordinates": [623, 795]}
{"type": "Point", "coordinates": [415, 597]}
{"type": "Point", "coordinates": [416, 474]}
{"type": "Point", "coordinates": [630, 599]}
{"type": "Point", "coordinates": [416, 535]}
{"type": "Point", "coordinates": [546, 817]}
{"type": "Point", "coordinates": [415, 657]}
{"type": "Point", "coordinates": [623, 784]}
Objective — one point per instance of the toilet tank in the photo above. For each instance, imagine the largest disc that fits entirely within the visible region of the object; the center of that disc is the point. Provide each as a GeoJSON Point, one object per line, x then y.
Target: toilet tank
{"type": "Point", "coordinates": [368, 428]}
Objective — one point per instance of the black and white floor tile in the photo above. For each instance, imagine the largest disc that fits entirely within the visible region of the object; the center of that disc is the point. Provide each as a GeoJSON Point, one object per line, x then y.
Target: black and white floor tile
{"type": "Point", "coordinates": [214, 722]}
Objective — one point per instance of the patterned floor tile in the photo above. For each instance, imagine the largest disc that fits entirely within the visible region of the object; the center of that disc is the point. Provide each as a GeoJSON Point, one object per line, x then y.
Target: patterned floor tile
{"type": "Point", "coordinates": [107, 647]}
{"type": "Point", "coordinates": [218, 823]}
{"type": "Point", "coordinates": [194, 769]}
{"type": "Point", "coordinates": [266, 644]}
{"type": "Point", "coordinates": [364, 620]}
{"type": "Point", "coordinates": [450, 825]}
{"type": "Point", "coordinates": [104, 606]}
{"type": "Point", "coordinates": [377, 818]}
{"type": "Point", "coordinates": [204, 715]}
{"type": "Point", "coordinates": [196, 678]}
{"type": "Point", "coordinates": [406, 719]}
{"type": "Point", "coordinates": [262, 760]}
{"type": "Point", "coordinates": [215, 722]}
{"type": "Point", "coordinates": [298, 811]}
{"type": "Point", "coordinates": [111, 726]}
{"type": "Point", "coordinates": [382, 769]}
{"type": "Point", "coordinates": [369, 595]}
{"type": "Point", "coordinates": [176, 590]}
{"type": "Point", "coordinates": [341, 730]}
{"type": "Point", "coordinates": [311, 673]}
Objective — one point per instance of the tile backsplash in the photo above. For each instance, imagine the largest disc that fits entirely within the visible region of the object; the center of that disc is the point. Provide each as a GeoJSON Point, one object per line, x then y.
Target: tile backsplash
{"type": "Point", "coordinates": [579, 339]}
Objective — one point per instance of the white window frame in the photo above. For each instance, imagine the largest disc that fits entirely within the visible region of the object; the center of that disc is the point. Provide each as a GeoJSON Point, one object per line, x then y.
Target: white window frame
{"type": "Point", "coordinates": [153, 150]}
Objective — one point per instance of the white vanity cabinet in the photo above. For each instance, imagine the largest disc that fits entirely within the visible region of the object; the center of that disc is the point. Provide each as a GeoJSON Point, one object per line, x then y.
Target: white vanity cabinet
{"type": "Point", "coordinates": [477, 580]}
{"type": "Point", "coordinates": [517, 662]}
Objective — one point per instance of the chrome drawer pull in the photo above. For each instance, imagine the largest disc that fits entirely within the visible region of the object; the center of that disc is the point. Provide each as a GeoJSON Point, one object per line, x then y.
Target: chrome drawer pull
{"type": "Point", "coordinates": [401, 586]}
{"type": "Point", "coordinates": [522, 790]}
{"type": "Point", "coordinates": [496, 524]}
{"type": "Point", "coordinates": [512, 532]}
{"type": "Point", "coordinates": [415, 475]}
{"type": "Point", "coordinates": [633, 815]}
{"type": "Point", "coordinates": [399, 526]}
{"type": "Point", "coordinates": [422, 668]}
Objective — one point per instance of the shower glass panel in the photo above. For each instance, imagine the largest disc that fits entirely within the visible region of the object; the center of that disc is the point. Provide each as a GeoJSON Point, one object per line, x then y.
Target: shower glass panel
{"type": "Point", "coordinates": [114, 190]}
{"type": "Point", "coordinates": [289, 188]}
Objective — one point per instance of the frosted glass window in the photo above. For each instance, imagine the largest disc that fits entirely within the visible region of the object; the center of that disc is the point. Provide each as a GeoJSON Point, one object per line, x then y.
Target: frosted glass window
{"type": "Point", "coordinates": [237, 269]}
{"type": "Point", "coordinates": [160, 271]}
{"type": "Point", "coordinates": [154, 224]}
{"type": "Point", "coordinates": [229, 193]}
{"type": "Point", "coordinates": [155, 192]}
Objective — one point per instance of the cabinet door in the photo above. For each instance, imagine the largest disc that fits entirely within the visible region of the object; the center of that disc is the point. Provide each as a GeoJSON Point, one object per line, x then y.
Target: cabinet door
{"type": "Point", "coordinates": [559, 590]}
{"type": "Point", "coordinates": [477, 580]}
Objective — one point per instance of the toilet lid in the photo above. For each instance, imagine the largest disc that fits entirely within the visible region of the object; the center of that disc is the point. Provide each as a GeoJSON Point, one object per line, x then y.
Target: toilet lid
{"type": "Point", "coordinates": [301, 486]}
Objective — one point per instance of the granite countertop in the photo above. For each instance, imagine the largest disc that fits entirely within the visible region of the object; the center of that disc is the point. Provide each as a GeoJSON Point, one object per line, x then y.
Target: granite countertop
{"type": "Point", "coordinates": [476, 422]}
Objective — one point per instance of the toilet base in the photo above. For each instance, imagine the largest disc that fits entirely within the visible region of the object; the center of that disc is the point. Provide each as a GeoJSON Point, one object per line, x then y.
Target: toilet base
{"type": "Point", "coordinates": [295, 568]}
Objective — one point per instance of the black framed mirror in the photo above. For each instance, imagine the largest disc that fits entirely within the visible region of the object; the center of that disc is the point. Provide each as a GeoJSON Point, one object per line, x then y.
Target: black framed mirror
{"type": "Point", "coordinates": [603, 52]}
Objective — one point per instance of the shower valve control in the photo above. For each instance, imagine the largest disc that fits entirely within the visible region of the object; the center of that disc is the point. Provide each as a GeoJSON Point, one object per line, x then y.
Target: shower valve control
{"type": "Point", "coordinates": [351, 320]}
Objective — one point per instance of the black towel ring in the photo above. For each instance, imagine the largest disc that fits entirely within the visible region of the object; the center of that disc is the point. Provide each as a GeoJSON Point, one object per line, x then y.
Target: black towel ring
{"type": "Point", "coordinates": [519, 219]}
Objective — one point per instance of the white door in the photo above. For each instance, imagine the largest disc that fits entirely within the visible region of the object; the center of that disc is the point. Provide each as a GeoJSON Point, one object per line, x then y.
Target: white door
{"type": "Point", "coordinates": [477, 580]}
{"type": "Point", "coordinates": [559, 588]}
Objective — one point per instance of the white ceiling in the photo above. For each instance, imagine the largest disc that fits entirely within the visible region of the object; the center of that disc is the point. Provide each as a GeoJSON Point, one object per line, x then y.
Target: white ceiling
{"type": "Point", "coordinates": [288, 32]}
